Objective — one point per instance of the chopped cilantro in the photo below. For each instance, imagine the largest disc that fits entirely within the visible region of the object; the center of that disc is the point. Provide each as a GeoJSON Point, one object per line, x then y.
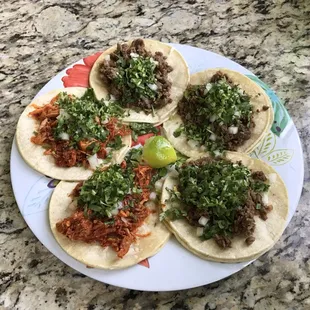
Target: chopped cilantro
{"type": "Point", "coordinates": [134, 77]}
{"type": "Point", "coordinates": [138, 129]}
{"type": "Point", "coordinates": [208, 110]}
{"type": "Point", "coordinates": [172, 214]}
{"type": "Point", "coordinates": [79, 118]}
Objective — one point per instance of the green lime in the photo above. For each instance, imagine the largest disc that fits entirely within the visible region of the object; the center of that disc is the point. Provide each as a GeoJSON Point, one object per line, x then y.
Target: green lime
{"type": "Point", "coordinates": [158, 152]}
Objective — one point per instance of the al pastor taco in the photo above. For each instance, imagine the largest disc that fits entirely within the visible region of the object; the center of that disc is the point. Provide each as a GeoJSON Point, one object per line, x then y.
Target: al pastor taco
{"type": "Point", "coordinates": [225, 210]}
{"type": "Point", "coordinates": [221, 110]}
{"type": "Point", "coordinates": [146, 77]}
{"type": "Point", "coordinates": [65, 134]}
{"type": "Point", "coordinates": [109, 221]}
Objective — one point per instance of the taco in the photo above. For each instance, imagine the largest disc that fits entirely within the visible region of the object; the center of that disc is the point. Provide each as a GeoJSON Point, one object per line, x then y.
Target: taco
{"type": "Point", "coordinates": [66, 133]}
{"type": "Point", "coordinates": [109, 221]}
{"type": "Point", "coordinates": [221, 110]}
{"type": "Point", "coordinates": [146, 77]}
{"type": "Point", "coordinates": [225, 210]}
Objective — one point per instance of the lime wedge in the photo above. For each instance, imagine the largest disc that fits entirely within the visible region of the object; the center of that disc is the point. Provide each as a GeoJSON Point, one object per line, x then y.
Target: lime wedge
{"type": "Point", "coordinates": [158, 152]}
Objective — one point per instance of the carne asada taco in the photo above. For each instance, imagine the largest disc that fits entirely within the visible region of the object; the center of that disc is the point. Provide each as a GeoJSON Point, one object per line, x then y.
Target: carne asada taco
{"type": "Point", "coordinates": [109, 221]}
{"type": "Point", "coordinates": [65, 134]}
{"type": "Point", "coordinates": [146, 77]}
{"type": "Point", "coordinates": [221, 110]}
{"type": "Point", "coordinates": [225, 210]}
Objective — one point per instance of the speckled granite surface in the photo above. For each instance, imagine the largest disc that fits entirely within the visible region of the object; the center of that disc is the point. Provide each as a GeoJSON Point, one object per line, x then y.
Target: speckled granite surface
{"type": "Point", "coordinates": [40, 38]}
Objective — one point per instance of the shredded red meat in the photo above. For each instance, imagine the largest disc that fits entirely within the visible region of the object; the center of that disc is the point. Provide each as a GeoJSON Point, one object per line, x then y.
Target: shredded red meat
{"type": "Point", "coordinates": [123, 232]}
{"type": "Point", "coordinates": [63, 153]}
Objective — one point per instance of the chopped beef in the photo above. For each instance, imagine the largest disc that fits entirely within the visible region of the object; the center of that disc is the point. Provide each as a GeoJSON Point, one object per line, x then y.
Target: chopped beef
{"type": "Point", "coordinates": [108, 72]}
{"type": "Point", "coordinates": [76, 191]}
{"type": "Point", "coordinates": [221, 76]}
{"type": "Point", "coordinates": [259, 175]}
{"type": "Point", "coordinates": [265, 107]}
{"type": "Point", "coordinates": [222, 241]}
{"type": "Point", "coordinates": [249, 240]}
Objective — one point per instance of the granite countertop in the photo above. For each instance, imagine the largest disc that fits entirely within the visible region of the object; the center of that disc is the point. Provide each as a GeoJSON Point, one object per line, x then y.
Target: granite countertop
{"type": "Point", "coordinates": [40, 38]}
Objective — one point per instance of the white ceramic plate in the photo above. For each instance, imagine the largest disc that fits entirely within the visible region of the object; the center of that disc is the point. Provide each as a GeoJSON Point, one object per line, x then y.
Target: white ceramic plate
{"type": "Point", "coordinates": [173, 268]}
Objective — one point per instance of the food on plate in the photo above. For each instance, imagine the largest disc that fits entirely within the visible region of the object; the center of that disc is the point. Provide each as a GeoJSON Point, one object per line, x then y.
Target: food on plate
{"type": "Point", "coordinates": [144, 76]}
{"type": "Point", "coordinates": [221, 110]}
{"type": "Point", "coordinates": [228, 209]}
{"type": "Point", "coordinates": [158, 152]}
{"type": "Point", "coordinates": [65, 134]}
{"type": "Point", "coordinates": [110, 221]}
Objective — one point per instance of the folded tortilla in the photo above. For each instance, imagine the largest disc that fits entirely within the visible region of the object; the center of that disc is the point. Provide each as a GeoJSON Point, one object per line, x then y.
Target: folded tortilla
{"type": "Point", "coordinates": [266, 232]}
{"type": "Point", "coordinates": [263, 120]}
{"type": "Point", "coordinates": [179, 78]}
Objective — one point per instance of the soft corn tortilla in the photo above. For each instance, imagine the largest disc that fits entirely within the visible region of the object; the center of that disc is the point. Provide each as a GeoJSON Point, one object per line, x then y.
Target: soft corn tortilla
{"type": "Point", "coordinates": [179, 78]}
{"type": "Point", "coordinates": [93, 255]}
{"type": "Point", "coordinates": [263, 120]}
{"type": "Point", "coordinates": [266, 232]}
{"type": "Point", "coordinates": [33, 153]}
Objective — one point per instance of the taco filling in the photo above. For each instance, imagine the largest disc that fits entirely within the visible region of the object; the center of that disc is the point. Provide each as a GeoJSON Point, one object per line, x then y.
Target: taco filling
{"type": "Point", "coordinates": [217, 115]}
{"type": "Point", "coordinates": [111, 206]}
{"type": "Point", "coordinates": [220, 198]}
{"type": "Point", "coordinates": [137, 78]}
{"type": "Point", "coordinates": [78, 131]}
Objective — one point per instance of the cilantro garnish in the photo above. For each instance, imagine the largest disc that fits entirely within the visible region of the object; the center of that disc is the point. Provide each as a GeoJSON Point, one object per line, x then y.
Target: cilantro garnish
{"type": "Point", "coordinates": [209, 110]}
{"type": "Point", "coordinates": [217, 188]}
{"type": "Point", "coordinates": [134, 75]}
{"type": "Point", "coordinates": [172, 214]}
{"type": "Point", "coordinates": [138, 129]}
{"type": "Point", "coordinates": [104, 189]}
{"type": "Point", "coordinates": [80, 118]}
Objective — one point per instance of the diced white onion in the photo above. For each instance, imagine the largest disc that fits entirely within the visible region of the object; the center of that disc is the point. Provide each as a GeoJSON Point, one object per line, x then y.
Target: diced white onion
{"type": "Point", "coordinates": [63, 113]}
{"type": "Point", "coordinates": [153, 196]}
{"type": "Point", "coordinates": [104, 121]}
{"type": "Point", "coordinates": [154, 61]}
{"type": "Point", "coordinates": [203, 221]}
{"type": "Point", "coordinates": [192, 144]}
{"type": "Point", "coordinates": [199, 231]}
{"type": "Point", "coordinates": [265, 199]}
{"type": "Point", "coordinates": [208, 86]}
{"type": "Point", "coordinates": [107, 57]}
{"type": "Point", "coordinates": [94, 161]}
{"type": "Point", "coordinates": [217, 153]}
{"type": "Point", "coordinates": [134, 55]}
{"type": "Point", "coordinates": [233, 130]}
{"type": "Point", "coordinates": [112, 98]}
{"type": "Point", "coordinates": [272, 177]}
{"type": "Point", "coordinates": [212, 118]}
{"type": "Point", "coordinates": [152, 87]}
{"type": "Point", "coordinates": [237, 113]}
{"type": "Point", "coordinates": [64, 136]}
{"type": "Point", "coordinates": [159, 184]}
{"type": "Point", "coordinates": [212, 137]}
{"type": "Point", "coordinates": [114, 211]}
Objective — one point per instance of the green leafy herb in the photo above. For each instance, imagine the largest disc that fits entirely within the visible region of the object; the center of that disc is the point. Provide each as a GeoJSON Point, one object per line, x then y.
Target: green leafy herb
{"type": "Point", "coordinates": [80, 117]}
{"type": "Point", "coordinates": [134, 77]}
{"type": "Point", "coordinates": [105, 189]}
{"type": "Point", "coordinates": [172, 214]}
{"type": "Point", "coordinates": [210, 109]}
{"type": "Point", "coordinates": [216, 187]}
{"type": "Point", "coordinates": [138, 129]}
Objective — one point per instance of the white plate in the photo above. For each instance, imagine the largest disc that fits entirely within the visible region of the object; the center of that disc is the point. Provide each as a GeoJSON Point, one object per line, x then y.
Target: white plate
{"type": "Point", "coordinates": [173, 268]}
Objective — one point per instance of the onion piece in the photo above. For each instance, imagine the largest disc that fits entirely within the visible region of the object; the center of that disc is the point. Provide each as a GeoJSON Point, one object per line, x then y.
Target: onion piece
{"type": "Point", "coordinates": [272, 177]}
{"type": "Point", "coordinates": [153, 195]}
{"type": "Point", "coordinates": [199, 231]}
{"type": "Point", "coordinates": [203, 221]}
{"type": "Point", "coordinates": [159, 184]}
{"type": "Point", "coordinates": [212, 118]}
{"type": "Point", "coordinates": [217, 153]}
{"type": "Point", "coordinates": [94, 161]}
{"type": "Point", "coordinates": [134, 55]}
{"type": "Point", "coordinates": [152, 87]}
{"type": "Point", "coordinates": [114, 211]}
{"type": "Point", "coordinates": [64, 136]}
{"type": "Point", "coordinates": [265, 199]}
{"type": "Point", "coordinates": [233, 130]}
{"type": "Point", "coordinates": [107, 57]}
{"type": "Point", "coordinates": [212, 137]}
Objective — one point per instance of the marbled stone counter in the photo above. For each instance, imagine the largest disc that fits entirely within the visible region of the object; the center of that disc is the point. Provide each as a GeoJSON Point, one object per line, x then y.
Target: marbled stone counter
{"type": "Point", "coordinates": [40, 38]}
